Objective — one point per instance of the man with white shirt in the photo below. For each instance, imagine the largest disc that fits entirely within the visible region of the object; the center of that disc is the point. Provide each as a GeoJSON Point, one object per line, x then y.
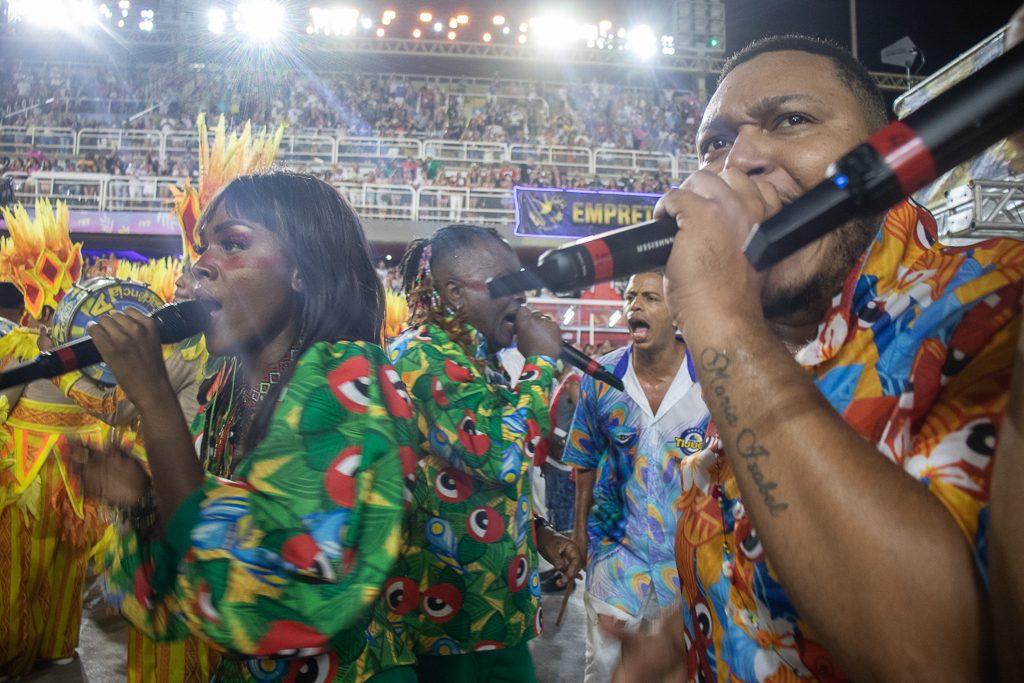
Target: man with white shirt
{"type": "Point", "coordinates": [627, 447]}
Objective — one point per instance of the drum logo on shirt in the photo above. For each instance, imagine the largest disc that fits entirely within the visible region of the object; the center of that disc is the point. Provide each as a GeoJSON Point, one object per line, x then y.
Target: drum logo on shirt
{"type": "Point", "coordinates": [690, 441]}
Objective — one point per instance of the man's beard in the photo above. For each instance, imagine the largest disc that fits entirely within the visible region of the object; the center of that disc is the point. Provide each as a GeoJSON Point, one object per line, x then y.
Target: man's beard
{"type": "Point", "coordinates": [810, 299]}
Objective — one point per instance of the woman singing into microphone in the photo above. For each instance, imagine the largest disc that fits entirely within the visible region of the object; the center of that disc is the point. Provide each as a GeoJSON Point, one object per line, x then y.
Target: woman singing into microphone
{"type": "Point", "coordinates": [277, 553]}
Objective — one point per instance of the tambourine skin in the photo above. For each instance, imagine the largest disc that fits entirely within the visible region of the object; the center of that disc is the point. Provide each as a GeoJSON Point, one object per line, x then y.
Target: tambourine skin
{"type": "Point", "coordinates": [88, 301]}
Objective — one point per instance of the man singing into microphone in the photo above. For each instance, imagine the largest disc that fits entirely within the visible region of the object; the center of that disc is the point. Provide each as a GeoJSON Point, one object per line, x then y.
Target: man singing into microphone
{"type": "Point", "coordinates": [627, 446]}
{"type": "Point", "coordinates": [856, 391]}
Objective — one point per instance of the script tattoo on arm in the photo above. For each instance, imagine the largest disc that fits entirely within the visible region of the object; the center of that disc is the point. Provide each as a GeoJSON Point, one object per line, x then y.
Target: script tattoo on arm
{"type": "Point", "coordinates": [715, 366]}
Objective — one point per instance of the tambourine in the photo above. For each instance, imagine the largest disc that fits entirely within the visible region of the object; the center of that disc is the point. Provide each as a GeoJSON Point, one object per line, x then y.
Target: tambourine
{"type": "Point", "coordinates": [87, 301]}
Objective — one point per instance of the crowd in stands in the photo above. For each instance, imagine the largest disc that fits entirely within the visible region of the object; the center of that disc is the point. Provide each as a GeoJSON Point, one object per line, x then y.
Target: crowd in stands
{"type": "Point", "coordinates": [588, 115]}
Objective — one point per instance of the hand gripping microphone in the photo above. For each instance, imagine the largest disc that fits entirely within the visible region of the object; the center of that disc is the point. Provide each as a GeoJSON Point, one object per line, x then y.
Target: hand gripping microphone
{"type": "Point", "coordinates": [896, 161]}
{"type": "Point", "coordinates": [174, 321]}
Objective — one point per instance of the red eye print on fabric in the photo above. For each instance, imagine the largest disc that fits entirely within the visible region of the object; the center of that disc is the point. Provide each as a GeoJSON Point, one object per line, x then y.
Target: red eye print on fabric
{"type": "Point", "coordinates": [401, 594]}
{"type": "Point", "coordinates": [530, 373]}
{"type": "Point", "coordinates": [442, 602]}
{"type": "Point", "coordinates": [456, 372]}
{"type": "Point", "coordinates": [473, 442]}
{"type": "Point", "coordinates": [340, 482]}
{"type": "Point", "coordinates": [407, 459]}
{"type": "Point", "coordinates": [538, 621]}
{"type": "Point", "coordinates": [453, 485]}
{"type": "Point", "coordinates": [204, 603]}
{"type": "Point", "coordinates": [141, 586]}
{"type": "Point", "coordinates": [485, 524]}
{"type": "Point", "coordinates": [303, 552]}
{"type": "Point", "coordinates": [350, 383]}
{"type": "Point", "coordinates": [438, 393]}
{"type": "Point", "coordinates": [395, 396]}
{"type": "Point", "coordinates": [318, 669]}
{"type": "Point", "coordinates": [518, 573]}
{"type": "Point", "coordinates": [286, 638]}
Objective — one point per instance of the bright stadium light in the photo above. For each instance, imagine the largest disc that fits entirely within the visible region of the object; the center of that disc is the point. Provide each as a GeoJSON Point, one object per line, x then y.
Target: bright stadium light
{"type": "Point", "coordinates": [642, 42]}
{"type": "Point", "coordinates": [498, 20]}
{"type": "Point", "coordinates": [425, 17]}
{"type": "Point", "coordinates": [438, 26]}
{"type": "Point", "coordinates": [451, 35]}
{"type": "Point", "coordinates": [506, 30]}
{"type": "Point", "coordinates": [216, 20]}
{"type": "Point", "coordinates": [380, 32]}
{"type": "Point", "coordinates": [522, 39]}
{"type": "Point", "coordinates": [388, 16]}
{"type": "Point", "coordinates": [553, 31]}
{"type": "Point", "coordinates": [66, 15]}
{"type": "Point", "coordinates": [462, 19]}
{"type": "Point", "coordinates": [259, 20]}
{"type": "Point", "coordinates": [453, 23]}
{"type": "Point", "coordinates": [605, 26]}
{"type": "Point", "coordinates": [416, 33]}
{"type": "Point", "coordinates": [337, 21]}
{"type": "Point", "coordinates": [487, 37]}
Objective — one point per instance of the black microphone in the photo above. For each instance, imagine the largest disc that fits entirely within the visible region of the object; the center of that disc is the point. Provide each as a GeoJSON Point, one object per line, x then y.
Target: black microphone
{"type": "Point", "coordinates": [175, 322]}
{"type": "Point", "coordinates": [576, 358]}
{"type": "Point", "coordinates": [896, 161]}
{"type": "Point", "coordinates": [901, 158]}
{"type": "Point", "coordinates": [606, 256]}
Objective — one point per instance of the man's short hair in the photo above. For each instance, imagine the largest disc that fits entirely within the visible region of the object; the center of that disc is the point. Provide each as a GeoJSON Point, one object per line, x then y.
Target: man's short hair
{"type": "Point", "coordinates": [850, 72]}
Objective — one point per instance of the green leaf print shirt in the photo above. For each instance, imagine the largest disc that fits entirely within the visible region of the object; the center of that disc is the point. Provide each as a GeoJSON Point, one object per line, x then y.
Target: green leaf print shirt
{"type": "Point", "coordinates": [468, 580]}
{"type": "Point", "coordinates": [282, 567]}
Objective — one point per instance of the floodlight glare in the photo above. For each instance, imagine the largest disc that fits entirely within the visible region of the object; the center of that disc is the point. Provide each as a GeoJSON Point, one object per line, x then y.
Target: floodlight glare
{"type": "Point", "coordinates": [642, 42]}
{"type": "Point", "coordinates": [337, 21]}
{"type": "Point", "coordinates": [416, 33]}
{"type": "Point", "coordinates": [60, 14]}
{"type": "Point", "coordinates": [453, 23]}
{"type": "Point", "coordinates": [498, 20]}
{"type": "Point", "coordinates": [554, 30]}
{"type": "Point", "coordinates": [216, 20]}
{"type": "Point", "coordinates": [259, 20]}
{"type": "Point", "coordinates": [462, 19]}
{"type": "Point", "coordinates": [522, 39]}
{"type": "Point", "coordinates": [487, 37]}
{"type": "Point", "coordinates": [451, 35]}
{"type": "Point", "coordinates": [380, 32]}
{"type": "Point", "coordinates": [425, 17]}
{"type": "Point", "coordinates": [438, 26]}
{"type": "Point", "coordinates": [366, 22]}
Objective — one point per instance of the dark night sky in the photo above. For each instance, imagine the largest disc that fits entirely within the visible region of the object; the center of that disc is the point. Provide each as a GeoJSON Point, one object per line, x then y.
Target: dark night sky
{"type": "Point", "coordinates": [941, 29]}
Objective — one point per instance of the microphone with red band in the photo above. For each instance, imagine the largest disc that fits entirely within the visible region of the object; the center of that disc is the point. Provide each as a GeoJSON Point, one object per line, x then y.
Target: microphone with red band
{"type": "Point", "coordinates": [174, 321]}
{"type": "Point", "coordinates": [896, 161]}
{"type": "Point", "coordinates": [588, 365]}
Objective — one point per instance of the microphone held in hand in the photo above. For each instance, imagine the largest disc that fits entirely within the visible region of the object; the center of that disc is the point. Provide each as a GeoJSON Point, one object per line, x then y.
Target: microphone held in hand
{"type": "Point", "coordinates": [174, 321]}
{"type": "Point", "coordinates": [578, 359]}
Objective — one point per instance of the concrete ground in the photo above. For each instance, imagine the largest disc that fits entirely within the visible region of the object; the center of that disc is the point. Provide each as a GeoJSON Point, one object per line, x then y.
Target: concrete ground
{"type": "Point", "coordinates": [557, 654]}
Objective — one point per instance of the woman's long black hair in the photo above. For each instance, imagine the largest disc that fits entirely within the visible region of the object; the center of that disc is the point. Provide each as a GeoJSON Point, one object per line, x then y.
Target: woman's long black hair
{"type": "Point", "coordinates": [342, 297]}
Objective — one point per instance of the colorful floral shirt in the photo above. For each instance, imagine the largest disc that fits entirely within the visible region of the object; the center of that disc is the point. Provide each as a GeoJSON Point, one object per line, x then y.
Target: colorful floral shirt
{"type": "Point", "coordinates": [636, 454]}
{"type": "Point", "coordinates": [916, 355]}
{"type": "Point", "coordinates": [286, 561]}
{"type": "Point", "coordinates": [469, 579]}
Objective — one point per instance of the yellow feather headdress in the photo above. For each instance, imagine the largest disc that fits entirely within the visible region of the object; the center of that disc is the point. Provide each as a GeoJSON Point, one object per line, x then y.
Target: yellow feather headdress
{"type": "Point", "coordinates": [396, 314]}
{"type": "Point", "coordinates": [219, 164]}
{"type": "Point", "coordinates": [40, 258]}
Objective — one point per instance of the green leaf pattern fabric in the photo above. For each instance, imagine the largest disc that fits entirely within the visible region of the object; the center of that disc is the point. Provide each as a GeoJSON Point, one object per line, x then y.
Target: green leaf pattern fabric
{"type": "Point", "coordinates": [282, 567]}
{"type": "Point", "coordinates": [468, 580]}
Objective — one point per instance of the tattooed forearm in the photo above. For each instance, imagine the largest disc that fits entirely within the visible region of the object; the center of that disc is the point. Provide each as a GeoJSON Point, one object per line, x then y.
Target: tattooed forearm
{"type": "Point", "coordinates": [716, 373]}
{"type": "Point", "coordinates": [750, 450]}
{"type": "Point", "coordinates": [715, 376]}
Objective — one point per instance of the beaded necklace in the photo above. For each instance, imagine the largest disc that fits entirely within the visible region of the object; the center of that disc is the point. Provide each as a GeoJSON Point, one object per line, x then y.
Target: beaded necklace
{"type": "Point", "coordinates": [225, 425]}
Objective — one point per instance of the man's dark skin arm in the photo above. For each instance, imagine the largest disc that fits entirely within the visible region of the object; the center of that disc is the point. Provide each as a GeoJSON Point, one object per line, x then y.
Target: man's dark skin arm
{"type": "Point", "coordinates": [584, 501]}
{"type": "Point", "coordinates": [872, 560]}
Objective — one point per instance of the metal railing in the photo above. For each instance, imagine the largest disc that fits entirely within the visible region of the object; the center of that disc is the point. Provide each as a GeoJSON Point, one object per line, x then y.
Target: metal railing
{"type": "Point", "coordinates": [105, 192]}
